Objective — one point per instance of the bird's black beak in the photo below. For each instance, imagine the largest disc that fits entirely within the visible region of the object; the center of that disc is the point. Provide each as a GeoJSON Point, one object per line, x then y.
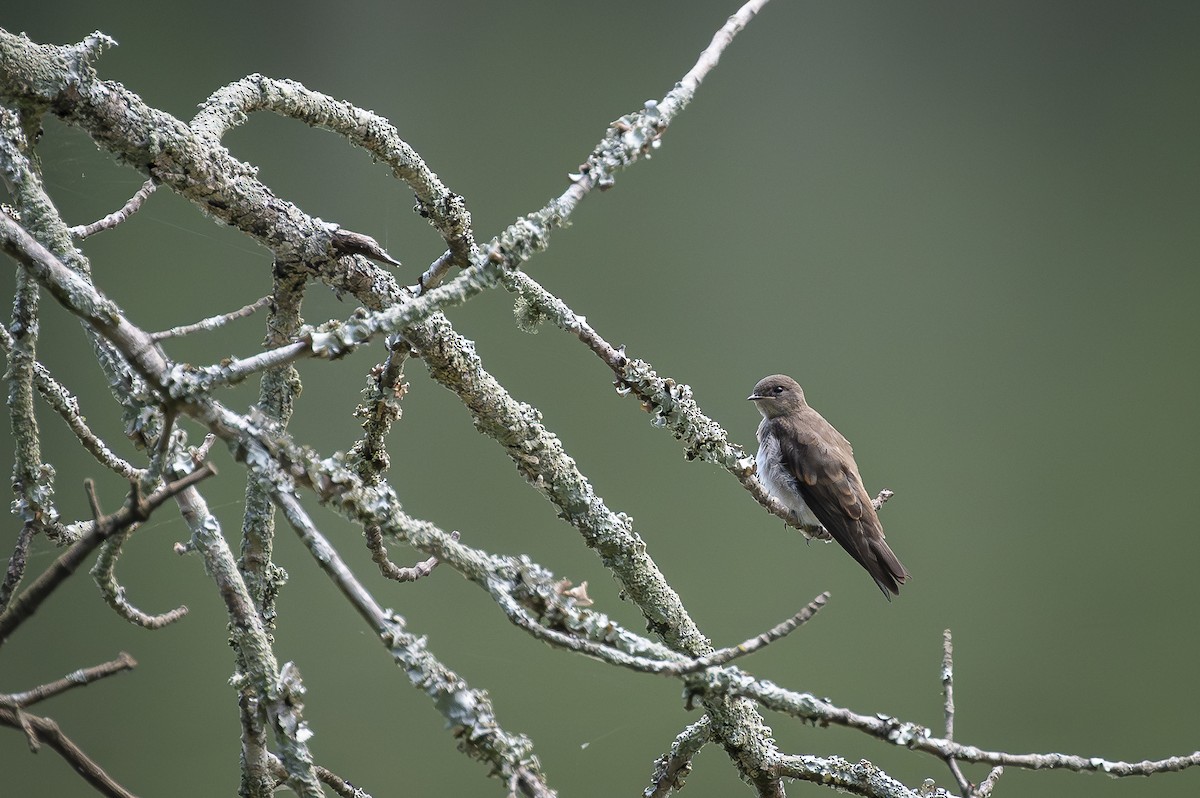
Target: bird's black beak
{"type": "Point", "coordinates": [753, 396]}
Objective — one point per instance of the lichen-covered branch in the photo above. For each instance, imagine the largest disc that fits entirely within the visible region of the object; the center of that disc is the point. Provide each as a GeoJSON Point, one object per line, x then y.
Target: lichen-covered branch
{"type": "Point", "coordinates": [105, 575]}
{"type": "Point", "coordinates": [468, 712]}
{"type": "Point", "coordinates": [190, 160]}
{"type": "Point", "coordinates": [672, 768]}
{"type": "Point", "coordinates": [278, 690]}
{"type": "Point", "coordinates": [278, 390]}
{"type": "Point", "coordinates": [66, 405]}
{"type": "Point", "coordinates": [104, 527]}
{"type": "Point", "coordinates": [445, 210]}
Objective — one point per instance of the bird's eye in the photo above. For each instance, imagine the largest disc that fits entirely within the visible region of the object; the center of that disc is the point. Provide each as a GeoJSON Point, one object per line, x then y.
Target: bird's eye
{"type": "Point", "coordinates": [778, 389]}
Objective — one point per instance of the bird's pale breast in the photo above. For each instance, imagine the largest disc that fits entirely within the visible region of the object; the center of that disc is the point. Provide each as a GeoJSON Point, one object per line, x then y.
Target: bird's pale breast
{"type": "Point", "coordinates": [776, 478]}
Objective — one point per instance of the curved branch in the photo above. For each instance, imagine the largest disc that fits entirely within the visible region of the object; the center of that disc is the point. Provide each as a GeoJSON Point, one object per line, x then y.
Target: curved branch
{"type": "Point", "coordinates": [445, 210]}
{"type": "Point", "coordinates": [104, 572]}
{"type": "Point", "coordinates": [68, 562]}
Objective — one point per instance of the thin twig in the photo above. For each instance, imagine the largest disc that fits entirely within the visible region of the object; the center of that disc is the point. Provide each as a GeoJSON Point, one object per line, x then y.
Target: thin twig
{"type": "Point", "coordinates": [137, 510]}
{"type": "Point", "coordinates": [674, 666]}
{"type": "Point", "coordinates": [16, 565]}
{"type": "Point", "coordinates": [277, 689]}
{"type": "Point", "coordinates": [212, 322]}
{"type": "Point", "coordinates": [777, 632]}
{"type": "Point", "coordinates": [79, 678]}
{"type": "Point", "coordinates": [105, 576]}
{"type": "Point", "coordinates": [988, 784]}
{"type": "Point", "coordinates": [32, 479]}
{"type": "Point", "coordinates": [673, 767]}
{"type": "Point", "coordinates": [116, 217]}
{"type": "Point", "coordinates": [67, 406]}
{"type": "Point", "coordinates": [915, 736]}
{"type": "Point", "coordinates": [511, 755]}
{"type": "Point", "coordinates": [45, 730]}
{"type": "Point", "coordinates": [948, 694]}
{"type": "Point", "coordinates": [278, 389]}
{"type": "Point", "coordinates": [388, 568]}
{"type": "Point", "coordinates": [335, 782]}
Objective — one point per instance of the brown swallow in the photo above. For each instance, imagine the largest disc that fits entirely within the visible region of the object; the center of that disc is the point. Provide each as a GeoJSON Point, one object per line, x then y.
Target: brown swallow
{"type": "Point", "coordinates": [809, 467]}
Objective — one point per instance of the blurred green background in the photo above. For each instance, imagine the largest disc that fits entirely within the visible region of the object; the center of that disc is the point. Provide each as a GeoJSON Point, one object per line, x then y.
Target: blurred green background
{"type": "Point", "coordinates": [969, 229]}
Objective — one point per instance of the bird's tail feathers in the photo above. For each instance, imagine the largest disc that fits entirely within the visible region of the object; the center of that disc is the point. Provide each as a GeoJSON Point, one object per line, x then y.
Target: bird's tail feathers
{"type": "Point", "coordinates": [885, 568]}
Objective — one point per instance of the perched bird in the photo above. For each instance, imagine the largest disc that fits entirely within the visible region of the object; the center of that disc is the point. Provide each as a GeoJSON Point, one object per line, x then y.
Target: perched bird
{"type": "Point", "coordinates": [809, 467]}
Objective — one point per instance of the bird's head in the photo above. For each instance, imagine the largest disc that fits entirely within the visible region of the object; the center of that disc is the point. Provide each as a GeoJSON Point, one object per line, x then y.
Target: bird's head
{"type": "Point", "coordinates": [777, 395]}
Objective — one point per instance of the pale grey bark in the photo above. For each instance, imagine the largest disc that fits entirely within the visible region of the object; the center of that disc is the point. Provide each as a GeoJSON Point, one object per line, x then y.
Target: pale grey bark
{"type": "Point", "coordinates": [188, 159]}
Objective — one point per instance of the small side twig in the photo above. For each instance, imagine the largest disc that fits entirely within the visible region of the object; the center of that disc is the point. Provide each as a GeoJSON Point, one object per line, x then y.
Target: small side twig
{"type": "Point", "coordinates": [433, 276]}
{"type": "Point", "coordinates": [882, 498]}
{"type": "Point", "coordinates": [16, 565]}
{"type": "Point", "coordinates": [116, 217]}
{"type": "Point", "coordinates": [212, 322]}
{"type": "Point", "coordinates": [782, 630]}
{"type": "Point", "coordinates": [79, 678]}
{"type": "Point", "coordinates": [987, 785]}
{"type": "Point", "coordinates": [327, 777]}
{"type": "Point", "coordinates": [673, 767]}
{"type": "Point", "coordinates": [63, 402]}
{"type": "Point", "coordinates": [105, 576]}
{"type": "Point", "coordinates": [388, 568]}
{"type": "Point", "coordinates": [522, 618]}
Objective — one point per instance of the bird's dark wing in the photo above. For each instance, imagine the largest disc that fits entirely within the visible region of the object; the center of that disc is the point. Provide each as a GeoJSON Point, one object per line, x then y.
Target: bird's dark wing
{"type": "Point", "coordinates": [820, 461]}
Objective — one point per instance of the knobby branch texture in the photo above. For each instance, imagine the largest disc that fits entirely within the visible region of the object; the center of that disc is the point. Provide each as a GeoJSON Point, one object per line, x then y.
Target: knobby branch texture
{"type": "Point", "coordinates": [163, 399]}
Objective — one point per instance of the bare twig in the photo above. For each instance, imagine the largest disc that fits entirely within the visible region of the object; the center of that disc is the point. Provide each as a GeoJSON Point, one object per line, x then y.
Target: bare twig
{"type": "Point", "coordinates": [45, 730]}
{"type": "Point", "coordinates": [725, 655]}
{"type": "Point", "coordinates": [116, 217]}
{"type": "Point", "coordinates": [79, 678]}
{"type": "Point", "coordinates": [277, 689]}
{"type": "Point", "coordinates": [137, 510]}
{"type": "Point", "coordinates": [277, 394]}
{"type": "Point", "coordinates": [381, 409]}
{"type": "Point", "coordinates": [32, 479]}
{"type": "Point", "coordinates": [349, 242]}
{"type": "Point", "coordinates": [212, 322]}
{"type": "Point", "coordinates": [881, 498]}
